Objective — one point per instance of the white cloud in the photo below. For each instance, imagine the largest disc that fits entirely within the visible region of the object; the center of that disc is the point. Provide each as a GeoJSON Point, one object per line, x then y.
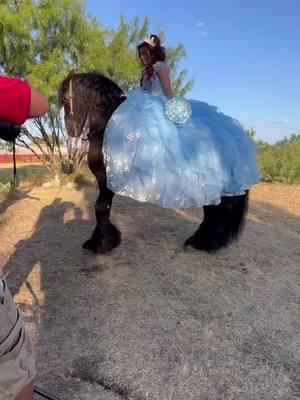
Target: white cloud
{"type": "Point", "coordinates": [200, 25]}
{"type": "Point", "coordinates": [278, 122]}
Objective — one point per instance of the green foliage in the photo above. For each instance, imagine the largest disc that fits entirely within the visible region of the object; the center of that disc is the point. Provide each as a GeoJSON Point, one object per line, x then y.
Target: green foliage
{"type": "Point", "coordinates": [251, 132]}
{"type": "Point", "coordinates": [15, 36]}
{"type": "Point", "coordinates": [82, 176]}
{"type": "Point", "coordinates": [280, 162]}
{"type": "Point", "coordinates": [27, 174]}
{"type": "Point", "coordinates": [42, 40]}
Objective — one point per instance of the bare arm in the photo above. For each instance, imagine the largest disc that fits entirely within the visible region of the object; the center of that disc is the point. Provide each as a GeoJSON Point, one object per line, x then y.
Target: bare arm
{"type": "Point", "coordinates": [38, 105]}
{"type": "Point", "coordinates": [164, 77]}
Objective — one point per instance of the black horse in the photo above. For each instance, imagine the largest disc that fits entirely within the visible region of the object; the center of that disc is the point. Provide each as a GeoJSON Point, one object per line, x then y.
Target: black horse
{"type": "Point", "coordinates": [89, 99]}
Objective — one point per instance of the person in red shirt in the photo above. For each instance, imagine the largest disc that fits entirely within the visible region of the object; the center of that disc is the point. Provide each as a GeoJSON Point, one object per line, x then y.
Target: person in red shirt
{"type": "Point", "coordinates": [18, 102]}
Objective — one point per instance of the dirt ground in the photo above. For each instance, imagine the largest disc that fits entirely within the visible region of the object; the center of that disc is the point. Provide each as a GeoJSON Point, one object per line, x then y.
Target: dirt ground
{"type": "Point", "coordinates": [150, 320]}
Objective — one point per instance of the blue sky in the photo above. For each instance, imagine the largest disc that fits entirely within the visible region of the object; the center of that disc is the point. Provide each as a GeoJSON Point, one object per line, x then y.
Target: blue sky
{"type": "Point", "coordinates": [244, 55]}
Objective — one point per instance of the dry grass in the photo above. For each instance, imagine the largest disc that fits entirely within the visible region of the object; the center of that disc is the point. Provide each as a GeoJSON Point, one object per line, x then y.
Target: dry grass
{"type": "Point", "coordinates": [29, 174]}
{"type": "Point", "coordinates": [283, 197]}
{"type": "Point", "coordinates": [151, 321]}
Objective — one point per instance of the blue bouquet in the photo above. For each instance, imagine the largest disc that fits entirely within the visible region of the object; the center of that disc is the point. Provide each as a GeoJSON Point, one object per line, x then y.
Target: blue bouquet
{"type": "Point", "coordinates": [178, 110]}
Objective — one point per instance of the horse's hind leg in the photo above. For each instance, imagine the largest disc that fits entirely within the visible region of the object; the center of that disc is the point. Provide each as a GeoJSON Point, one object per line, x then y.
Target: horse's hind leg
{"type": "Point", "coordinates": [105, 236]}
{"type": "Point", "coordinates": [221, 224]}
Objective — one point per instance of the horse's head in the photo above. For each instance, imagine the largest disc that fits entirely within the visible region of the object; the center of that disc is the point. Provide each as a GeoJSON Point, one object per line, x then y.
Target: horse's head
{"type": "Point", "coordinates": [88, 99]}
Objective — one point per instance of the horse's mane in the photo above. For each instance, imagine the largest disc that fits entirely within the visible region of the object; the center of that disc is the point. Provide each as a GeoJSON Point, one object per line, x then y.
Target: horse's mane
{"type": "Point", "coordinates": [92, 97]}
{"type": "Point", "coordinates": [89, 81]}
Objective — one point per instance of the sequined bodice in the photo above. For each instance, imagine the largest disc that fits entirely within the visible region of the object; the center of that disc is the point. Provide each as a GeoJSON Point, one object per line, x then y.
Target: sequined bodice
{"type": "Point", "coordinates": [154, 86]}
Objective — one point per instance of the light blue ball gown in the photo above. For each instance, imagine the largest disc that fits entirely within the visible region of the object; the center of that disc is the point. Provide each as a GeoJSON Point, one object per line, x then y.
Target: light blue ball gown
{"type": "Point", "coordinates": [151, 159]}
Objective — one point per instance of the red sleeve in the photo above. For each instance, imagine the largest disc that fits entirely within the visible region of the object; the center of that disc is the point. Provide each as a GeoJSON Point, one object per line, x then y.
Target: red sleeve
{"type": "Point", "coordinates": [15, 97]}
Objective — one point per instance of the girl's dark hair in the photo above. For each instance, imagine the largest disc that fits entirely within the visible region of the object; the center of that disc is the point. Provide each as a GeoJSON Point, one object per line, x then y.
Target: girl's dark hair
{"type": "Point", "coordinates": [156, 53]}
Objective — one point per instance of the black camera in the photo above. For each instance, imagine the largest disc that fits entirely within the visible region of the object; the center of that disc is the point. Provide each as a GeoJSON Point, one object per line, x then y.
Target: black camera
{"type": "Point", "coordinates": [9, 132]}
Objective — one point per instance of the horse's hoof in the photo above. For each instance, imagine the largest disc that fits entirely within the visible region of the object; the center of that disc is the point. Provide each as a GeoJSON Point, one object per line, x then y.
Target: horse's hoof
{"type": "Point", "coordinates": [197, 244]}
{"type": "Point", "coordinates": [90, 245]}
{"type": "Point", "coordinates": [111, 238]}
{"type": "Point", "coordinates": [191, 241]}
{"type": "Point", "coordinates": [106, 245]}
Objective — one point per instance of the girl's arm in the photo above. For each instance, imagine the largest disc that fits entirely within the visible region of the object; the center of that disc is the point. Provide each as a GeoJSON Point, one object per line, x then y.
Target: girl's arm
{"type": "Point", "coordinates": [164, 76]}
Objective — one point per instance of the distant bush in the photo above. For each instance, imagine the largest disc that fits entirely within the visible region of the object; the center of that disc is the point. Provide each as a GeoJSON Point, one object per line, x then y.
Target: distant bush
{"type": "Point", "coordinates": [280, 162]}
{"type": "Point", "coordinates": [82, 176]}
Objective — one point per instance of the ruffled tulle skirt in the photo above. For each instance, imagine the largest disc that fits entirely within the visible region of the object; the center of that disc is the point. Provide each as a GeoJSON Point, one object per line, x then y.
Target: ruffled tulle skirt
{"type": "Point", "coordinates": [151, 159]}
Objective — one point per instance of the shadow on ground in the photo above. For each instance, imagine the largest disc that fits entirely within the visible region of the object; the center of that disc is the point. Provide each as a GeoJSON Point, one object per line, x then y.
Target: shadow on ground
{"type": "Point", "coordinates": [151, 321]}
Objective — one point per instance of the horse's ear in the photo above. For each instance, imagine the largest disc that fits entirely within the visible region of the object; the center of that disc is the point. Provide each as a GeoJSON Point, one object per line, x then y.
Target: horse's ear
{"type": "Point", "coordinates": [71, 74]}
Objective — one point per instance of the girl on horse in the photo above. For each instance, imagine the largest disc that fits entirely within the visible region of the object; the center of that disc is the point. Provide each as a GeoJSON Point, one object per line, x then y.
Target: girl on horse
{"type": "Point", "coordinates": [154, 155]}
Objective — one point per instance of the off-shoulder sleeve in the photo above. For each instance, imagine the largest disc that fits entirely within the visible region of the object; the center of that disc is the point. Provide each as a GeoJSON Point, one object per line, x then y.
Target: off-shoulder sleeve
{"type": "Point", "coordinates": [161, 65]}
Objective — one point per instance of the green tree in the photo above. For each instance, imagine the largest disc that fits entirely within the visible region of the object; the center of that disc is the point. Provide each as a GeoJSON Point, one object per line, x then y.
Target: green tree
{"type": "Point", "coordinates": [251, 132]}
{"type": "Point", "coordinates": [43, 40]}
{"type": "Point", "coordinates": [280, 162]}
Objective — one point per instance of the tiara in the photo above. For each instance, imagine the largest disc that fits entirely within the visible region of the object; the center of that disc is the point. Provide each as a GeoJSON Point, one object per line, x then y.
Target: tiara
{"type": "Point", "coordinates": [150, 40]}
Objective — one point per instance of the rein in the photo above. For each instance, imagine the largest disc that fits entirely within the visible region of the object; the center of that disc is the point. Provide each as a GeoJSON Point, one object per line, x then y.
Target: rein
{"type": "Point", "coordinates": [71, 96]}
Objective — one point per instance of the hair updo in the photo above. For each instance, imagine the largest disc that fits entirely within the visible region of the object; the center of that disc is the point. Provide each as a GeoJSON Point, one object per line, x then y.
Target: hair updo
{"type": "Point", "coordinates": [156, 53]}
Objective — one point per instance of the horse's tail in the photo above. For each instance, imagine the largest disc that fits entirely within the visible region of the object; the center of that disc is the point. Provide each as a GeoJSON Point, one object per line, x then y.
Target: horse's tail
{"type": "Point", "coordinates": [241, 212]}
{"type": "Point", "coordinates": [222, 224]}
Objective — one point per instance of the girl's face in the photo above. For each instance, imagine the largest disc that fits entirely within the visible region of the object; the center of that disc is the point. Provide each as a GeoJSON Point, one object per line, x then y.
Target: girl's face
{"type": "Point", "coordinates": [145, 56]}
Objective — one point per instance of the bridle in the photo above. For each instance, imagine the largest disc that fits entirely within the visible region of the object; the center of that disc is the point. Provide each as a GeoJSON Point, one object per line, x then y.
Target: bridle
{"type": "Point", "coordinates": [71, 96]}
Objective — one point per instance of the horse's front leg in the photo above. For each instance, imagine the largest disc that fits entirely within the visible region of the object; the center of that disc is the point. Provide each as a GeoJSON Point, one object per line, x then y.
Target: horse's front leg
{"type": "Point", "coordinates": [105, 236]}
